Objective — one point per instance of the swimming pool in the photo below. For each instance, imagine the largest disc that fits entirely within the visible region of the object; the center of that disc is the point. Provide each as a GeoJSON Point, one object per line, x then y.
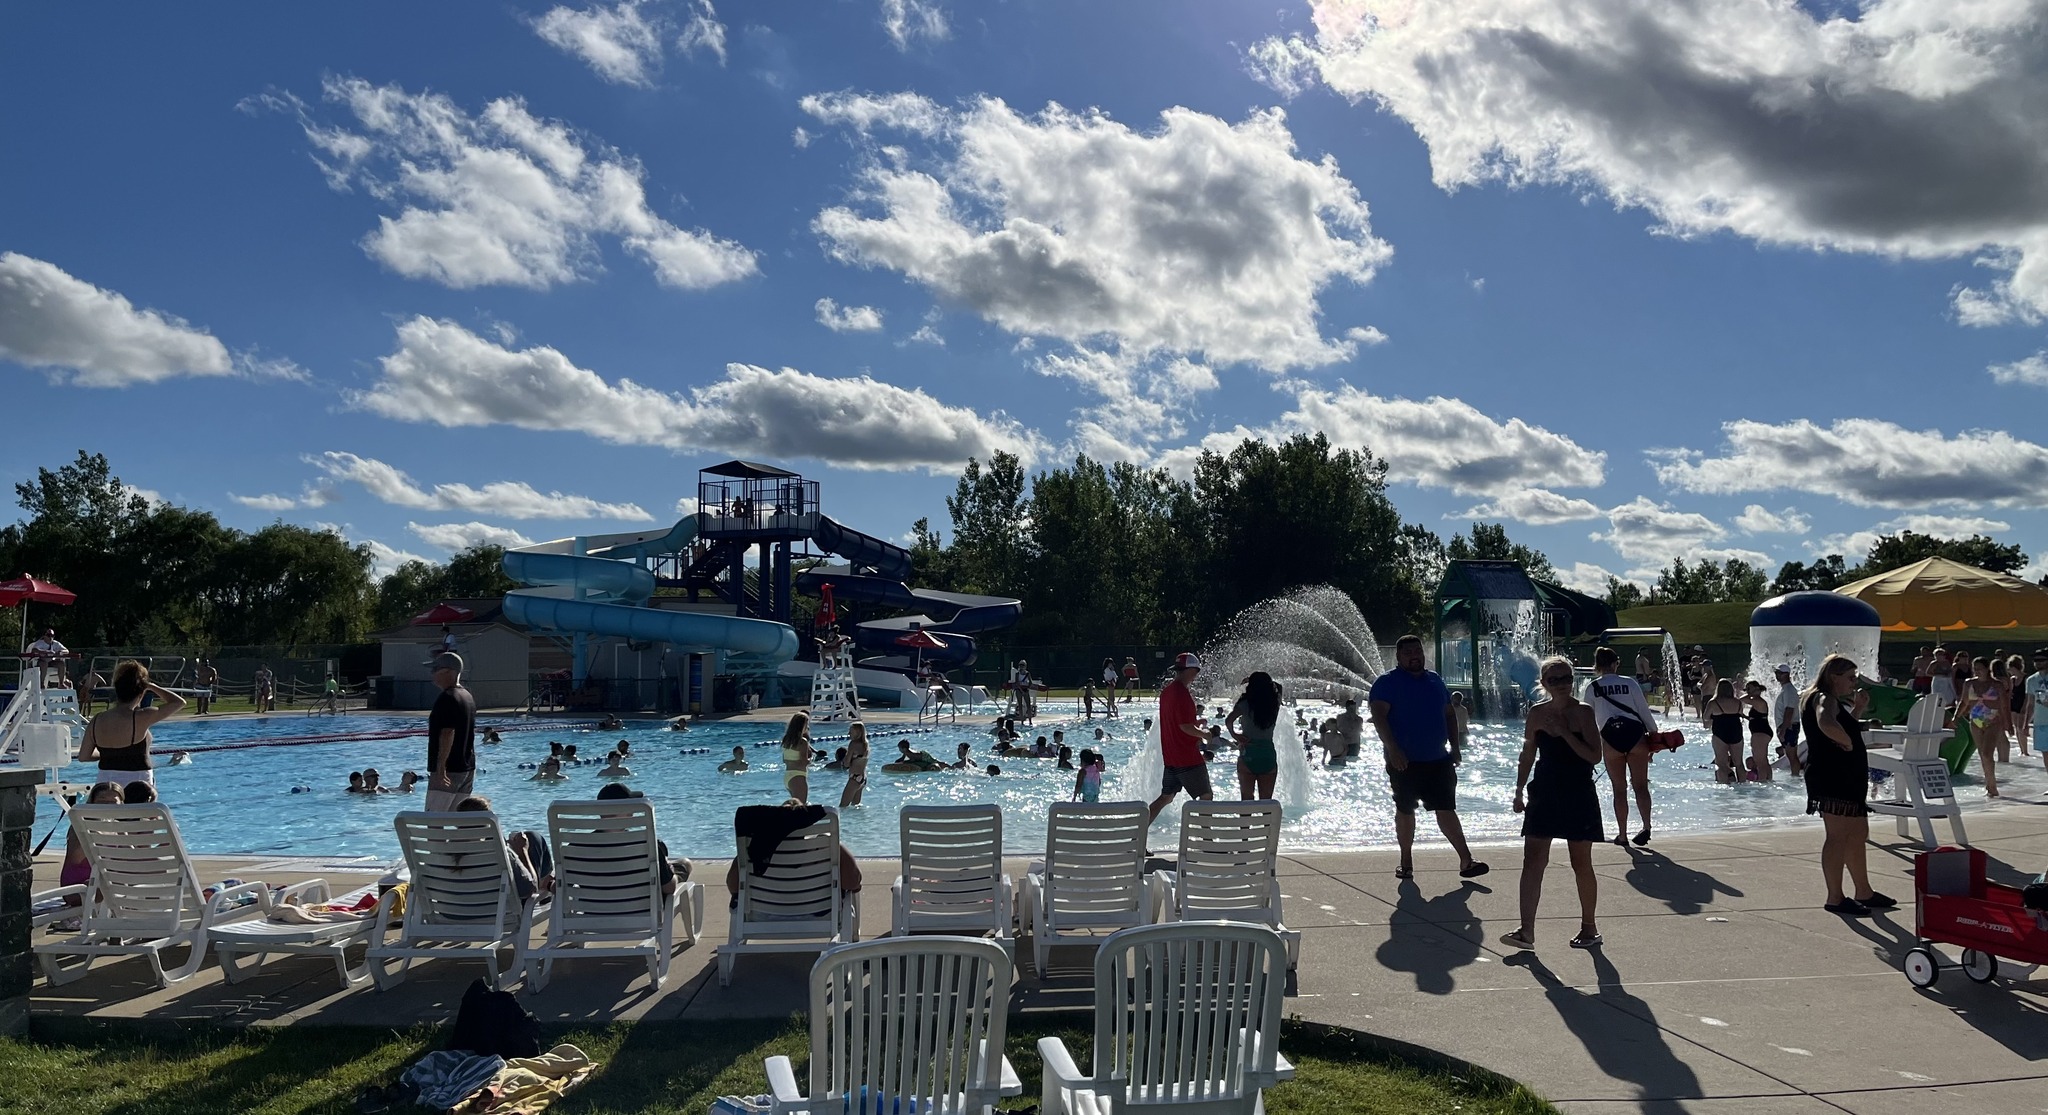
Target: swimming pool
{"type": "Point", "coordinates": [239, 800]}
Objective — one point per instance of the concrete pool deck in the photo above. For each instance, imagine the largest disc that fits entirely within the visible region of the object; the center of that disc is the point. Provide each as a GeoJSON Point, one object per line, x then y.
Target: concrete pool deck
{"type": "Point", "coordinates": [1723, 987]}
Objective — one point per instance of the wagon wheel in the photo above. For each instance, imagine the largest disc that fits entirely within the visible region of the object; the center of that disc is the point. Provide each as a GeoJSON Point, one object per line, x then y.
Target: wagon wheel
{"type": "Point", "coordinates": [1921, 967]}
{"type": "Point", "coordinates": [1980, 966]}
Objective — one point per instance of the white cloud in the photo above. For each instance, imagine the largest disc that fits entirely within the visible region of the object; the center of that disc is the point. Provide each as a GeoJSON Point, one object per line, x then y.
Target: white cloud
{"type": "Point", "coordinates": [1141, 401]}
{"type": "Point", "coordinates": [1535, 506]}
{"type": "Point", "coordinates": [702, 31]}
{"type": "Point", "coordinates": [265, 502]}
{"type": "Point", "coordinates": [443, 373]}
{"type": "Point", "coordinates": [385, 560]}
{"type": "Point", "coordinates": [926, 335]}
{"type": "Point", "coordinates": [847, 319]}
{"type": "Point", "coordinates": [462, 536]}
{"type": "Point", "coordinates": [512, 499]}
{"type": "Point", "coordinates": [1855, 546]}
{"type": "Point", "coordinates": [686, 505]}
{"type": "Point", "coordinates": [2031, 371]}
{"type": "Point", "coordinates": [1201, 238]}
{"type": "Point", "coordinates": [1757, 519]}
{"type": "Point", "coordinates": [1368, 335]}
{"type": "Point", "coordinates": [1591, 579]}
{"type": "Point", "coordinates": [1447, 443]}
{"type": "Point", "coordinates": [94, 337]}
{"type": "Point", "coordinates": [620, 42]}
{"type": "Point", "coordinates": [1901, 127]}
{"type": "Point", "coordinates": [1869, 462]}
{"type": "Point", "coordinates": [501, 198]}
{"type": "Point", "coordinates": [1289, 66]}
{"type": "Point", "coordinates": [909, 20]}
{"type": "Point", "coordinates": [1651, 534]}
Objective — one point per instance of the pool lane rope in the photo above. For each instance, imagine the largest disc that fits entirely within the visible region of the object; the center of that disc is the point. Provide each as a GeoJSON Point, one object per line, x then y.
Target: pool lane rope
{"type": "Point", "coordinates": [356, 737]}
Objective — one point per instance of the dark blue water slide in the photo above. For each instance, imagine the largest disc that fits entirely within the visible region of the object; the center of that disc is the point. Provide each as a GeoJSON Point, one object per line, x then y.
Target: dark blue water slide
{"type": "Point", "coordinates": [885, 558]}
{"type": "Point", "coordinates": [953, 616]}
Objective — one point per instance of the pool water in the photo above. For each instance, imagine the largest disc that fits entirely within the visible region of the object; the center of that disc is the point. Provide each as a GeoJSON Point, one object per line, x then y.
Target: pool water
{"type": "Point", "coordinates": [239, 799]}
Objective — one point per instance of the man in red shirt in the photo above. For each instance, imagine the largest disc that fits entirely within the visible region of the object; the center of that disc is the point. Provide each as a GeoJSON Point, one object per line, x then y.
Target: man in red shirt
{"type": "Point", "coordinates": [1181, 738]}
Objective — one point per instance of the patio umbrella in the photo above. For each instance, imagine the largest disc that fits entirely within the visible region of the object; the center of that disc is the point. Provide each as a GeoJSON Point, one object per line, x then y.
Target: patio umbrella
{"type": "Point", "coordinates": [23, 591]}
{"type": "Point", "coordinates": [1938, 594]}
{"type": "Point", "coordinates": [920, 640]}
{"type": "Point", "coordinates": [443, 612]}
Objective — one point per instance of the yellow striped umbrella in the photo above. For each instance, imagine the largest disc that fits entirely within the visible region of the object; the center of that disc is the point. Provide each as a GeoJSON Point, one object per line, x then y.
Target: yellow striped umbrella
{"type": "Point", "coordinates": [1937, 594]}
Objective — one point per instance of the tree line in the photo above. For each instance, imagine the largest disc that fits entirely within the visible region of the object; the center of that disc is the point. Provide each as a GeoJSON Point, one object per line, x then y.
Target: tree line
{"type": "Point", "coordinates": [150, 573]}
{"type": "Point", "coordinates": [1736, 580]}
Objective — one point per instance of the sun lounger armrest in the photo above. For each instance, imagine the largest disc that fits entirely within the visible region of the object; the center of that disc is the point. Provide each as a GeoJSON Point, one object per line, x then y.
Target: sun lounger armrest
{"type": "Point", "coordinates": [1059, 1078]}
{"type": "Point", "coordinates": [380, 927]}
{"type": "Point", "coordinates": [782, 1081]}
{"type": "Point", "coordinates": [223, 907]}
{"type": "Point", "coordinates": [311, 892]}
{"type": "Point", "coordinates": [77, 890]}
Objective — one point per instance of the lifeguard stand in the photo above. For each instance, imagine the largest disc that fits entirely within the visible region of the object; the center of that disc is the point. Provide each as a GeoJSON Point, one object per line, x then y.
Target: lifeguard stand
{"type": "Point", "coordinates": [742, 505]}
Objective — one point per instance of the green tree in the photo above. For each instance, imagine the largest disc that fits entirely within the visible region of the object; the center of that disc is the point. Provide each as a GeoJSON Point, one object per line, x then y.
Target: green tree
{"type": "Point", "coordinates": [991, 542]}
{"type": "Point", "coordinates": [1490, 542]}
{"type": "Point", "coordinates": [290, 585]}
{"type": "Point", "coordinates": [1891, 551]}
{"type": "Point", "coordinates": [1623, 595]}
{"type": "Point", "coordinates": [475, 573]}
{"type": "Point", "coordinates": [1824, 574]}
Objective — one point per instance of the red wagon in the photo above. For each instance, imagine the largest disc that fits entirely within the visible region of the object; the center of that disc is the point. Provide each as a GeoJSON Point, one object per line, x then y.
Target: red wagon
{"type": "Point", "coordinates": [1958, 906]}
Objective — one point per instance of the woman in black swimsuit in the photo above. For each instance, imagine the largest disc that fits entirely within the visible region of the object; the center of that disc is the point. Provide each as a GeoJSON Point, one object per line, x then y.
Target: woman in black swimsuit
{"type": "Point", "coordinates": [119, 737]}
{"type": "Point", "coordinates": [1562, 743]}
{"type": "Point", "coordinates": [1724, 720]}
{"type": "Point", "coordinates": [1759, 730]}
{"type": "Point", "coordinates": [1838, 784]}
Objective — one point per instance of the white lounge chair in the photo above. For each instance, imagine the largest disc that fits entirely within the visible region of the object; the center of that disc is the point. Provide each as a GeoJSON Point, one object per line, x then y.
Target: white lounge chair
{"type": "Point", "coordinates": [1187, 1019]}
{"type": "Point", "coordinates": [953, 879]}
{"type": "Point", "coordinates": [143, 896]}
{"type": "Point", "coordinates": [607, 899]}
{"type": "Point", "coordinates": [461, 900]}
{"type": "Point", "coordinates": [901, 1025]}
{"type": "Point", "coordinates": [1092, 879]}
{"type": "Point", "coordinates": [1228, 869]}
{"type": "Point", "coordinates": [329, 939]}
{"type": "Point", "coordinates": [796, 904]}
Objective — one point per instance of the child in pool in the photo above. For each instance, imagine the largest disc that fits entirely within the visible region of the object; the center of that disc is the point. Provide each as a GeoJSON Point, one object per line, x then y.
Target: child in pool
{"type": "Point", "coordinates": [1088, 779]}
{"type": "Point", "coordinates": [737, 763]}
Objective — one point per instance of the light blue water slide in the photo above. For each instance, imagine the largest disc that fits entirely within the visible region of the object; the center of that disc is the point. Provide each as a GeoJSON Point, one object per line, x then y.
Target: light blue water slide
{"type": "Point", "coordinates": [593, 586]}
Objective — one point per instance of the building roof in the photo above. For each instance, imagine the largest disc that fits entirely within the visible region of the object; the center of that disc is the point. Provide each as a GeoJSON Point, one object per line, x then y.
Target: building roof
{"type": "Point", "coordinates": [749, 470]}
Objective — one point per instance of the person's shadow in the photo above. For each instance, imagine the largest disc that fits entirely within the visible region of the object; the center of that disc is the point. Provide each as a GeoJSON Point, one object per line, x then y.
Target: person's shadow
{"type": "Point", "coordinates": [1632, 1048]}
{"type": "Point", "coordinates": [1438, 936]}
{"type": "Point", "coordinates": [1685, 890]}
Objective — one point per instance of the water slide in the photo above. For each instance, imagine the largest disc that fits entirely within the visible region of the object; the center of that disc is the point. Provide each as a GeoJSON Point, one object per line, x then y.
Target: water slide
{"type": "Point", "coordinates": [594, 586]}
{"type": "Point", "coordinates": [954, 616]}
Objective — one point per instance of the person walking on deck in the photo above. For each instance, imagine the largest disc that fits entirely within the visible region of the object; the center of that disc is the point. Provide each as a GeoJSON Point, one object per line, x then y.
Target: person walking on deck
{"type": "Point", "coordinates": [1411, 711]}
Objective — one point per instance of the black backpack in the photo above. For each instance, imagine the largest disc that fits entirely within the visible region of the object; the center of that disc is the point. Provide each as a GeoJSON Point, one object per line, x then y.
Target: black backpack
{"type": "Point", "coordinates": [493, 1023]}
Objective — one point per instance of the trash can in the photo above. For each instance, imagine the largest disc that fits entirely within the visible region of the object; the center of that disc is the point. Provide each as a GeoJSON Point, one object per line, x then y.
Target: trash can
{"type": "Point", "coordinates": [383, 691]}
{"type": "Point", "coordinates": [725, 693]}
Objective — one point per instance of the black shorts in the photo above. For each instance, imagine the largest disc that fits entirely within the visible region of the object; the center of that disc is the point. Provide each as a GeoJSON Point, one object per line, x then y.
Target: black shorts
{"type": "Point", "coordinates": [1622, 733]}
{"type": "Point", "coordinates": [1433, 784]}
{"type": "Point", "coordinates": [1194, 779]}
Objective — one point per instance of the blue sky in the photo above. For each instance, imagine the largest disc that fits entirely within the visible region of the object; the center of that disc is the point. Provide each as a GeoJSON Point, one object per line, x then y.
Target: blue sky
{"type": "Point", "coordinates": [1734, 278]}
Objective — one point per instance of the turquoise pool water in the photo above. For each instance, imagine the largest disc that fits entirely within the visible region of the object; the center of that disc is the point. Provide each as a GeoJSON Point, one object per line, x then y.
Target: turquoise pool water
{"type": "Point", "coordinates": [238, 800]}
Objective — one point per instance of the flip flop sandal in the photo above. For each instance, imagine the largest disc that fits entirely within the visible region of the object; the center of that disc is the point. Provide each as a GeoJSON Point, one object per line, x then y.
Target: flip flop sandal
{"type": "Point", "coordinates": [1643, 838]}
{"type": "Point", "coordinates": [1473, 872]}
{"type": "Point", "coordinates": [1518, 940]}
{"type": "Point", "coordinates": [1404, 873]}
{"type": "Point", "coordinates": [1584, 942]}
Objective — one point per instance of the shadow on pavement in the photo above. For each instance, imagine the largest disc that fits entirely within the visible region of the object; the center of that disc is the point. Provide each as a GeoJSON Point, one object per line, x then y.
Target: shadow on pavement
{"type": "Point", "coordinates": [1440, 935]}
{"type": "Point", "coordinates": [1618, 1030]}
{"type": "Point", "coordinates": [1685, 890]}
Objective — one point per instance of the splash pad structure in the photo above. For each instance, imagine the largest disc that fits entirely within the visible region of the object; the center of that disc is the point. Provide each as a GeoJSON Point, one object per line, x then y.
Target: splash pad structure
{"type": "Point", "coordinates": [1494, 623]}
{"type": "Point", "coordinates": [1801, 628]}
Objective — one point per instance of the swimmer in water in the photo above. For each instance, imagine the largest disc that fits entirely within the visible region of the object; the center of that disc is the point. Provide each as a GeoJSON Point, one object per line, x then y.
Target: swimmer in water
{"type": "Point", "coordinates": [615, 767]}
{"type": "Point", "coordinates": [550, 771]}
{"type": "Point", "coordinates": [407, 782]}
{"type": "Point", "coordinates": [180, 758]}
{"type": "Point", "coordinates": [355, 782]}
{"type": "Point", "coordinates": [736, 764]}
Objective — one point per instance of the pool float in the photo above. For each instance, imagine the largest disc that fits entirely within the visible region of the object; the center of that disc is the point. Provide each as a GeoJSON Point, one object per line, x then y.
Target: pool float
{"type": "Point", "coordinates": [1665, 741]}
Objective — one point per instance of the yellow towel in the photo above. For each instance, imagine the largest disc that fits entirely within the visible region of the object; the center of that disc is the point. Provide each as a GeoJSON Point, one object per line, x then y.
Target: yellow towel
{"type": "Point", "coordinates": [527, 1085]}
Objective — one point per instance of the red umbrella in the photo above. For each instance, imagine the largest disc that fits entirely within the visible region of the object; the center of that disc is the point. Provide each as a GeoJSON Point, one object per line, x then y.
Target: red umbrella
{"type": "Point", "coordinates": [23, 591]}
{"type": "Point", "coordinates": [443, 612]}
{"type": "Point", "coordinates": [921, 640]}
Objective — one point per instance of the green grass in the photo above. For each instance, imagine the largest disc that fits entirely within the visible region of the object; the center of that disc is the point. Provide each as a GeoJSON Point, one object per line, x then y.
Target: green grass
{"type": "Point", "coordinates": [127, 1069]}
{"type": "Point", "coordinates": [1709, 624]}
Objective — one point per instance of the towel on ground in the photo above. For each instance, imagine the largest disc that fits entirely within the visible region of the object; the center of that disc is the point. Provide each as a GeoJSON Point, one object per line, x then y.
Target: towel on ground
{"type": "Point", "coordinates": [766, 826]}
{"type": "Point", "coordinates": [527, 1085]}
{"type": "Point", "coordinates": [447, 1077]}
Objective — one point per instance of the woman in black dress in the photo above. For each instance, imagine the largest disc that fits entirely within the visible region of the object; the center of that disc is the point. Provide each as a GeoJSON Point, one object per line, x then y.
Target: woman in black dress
{"type": "Point", "coordinates": [1838, 785]}
{"type": "Point", "coordinates": [1561, 742]}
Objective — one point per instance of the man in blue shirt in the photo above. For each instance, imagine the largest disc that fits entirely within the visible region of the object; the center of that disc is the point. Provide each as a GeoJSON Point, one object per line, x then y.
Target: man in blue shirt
{"type": "Point", "coordinates": [1411, 711]}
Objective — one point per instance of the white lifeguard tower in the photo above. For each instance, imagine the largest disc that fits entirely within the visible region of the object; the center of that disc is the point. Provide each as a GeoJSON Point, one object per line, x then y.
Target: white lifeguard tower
{"type": "Point", "coordinates": [835, 699]}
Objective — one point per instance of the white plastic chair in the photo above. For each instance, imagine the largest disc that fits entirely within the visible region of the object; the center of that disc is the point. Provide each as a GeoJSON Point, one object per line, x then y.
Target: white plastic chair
{"type": "Point", "coordinates": [607, 899]}
{"type": "Point", "coordinates": [1092, 878]}
{"type": "Point", "coordinates": [953, 878]}
{"type": "Point", "coordinates": [901, 1025]}
{"type": "Point", "coordinates": [143, 896]}
{"type": "Point", "coordinates": [461, 901]}
{"type": "Point", "coordinates": [330, 940]}
{"type": "Point", "coordinates": [1228, 869]}
{"type": "Point", "coordinates": [1187, 1019]}
{"type": "Point", "coordinates": [796, 904]}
